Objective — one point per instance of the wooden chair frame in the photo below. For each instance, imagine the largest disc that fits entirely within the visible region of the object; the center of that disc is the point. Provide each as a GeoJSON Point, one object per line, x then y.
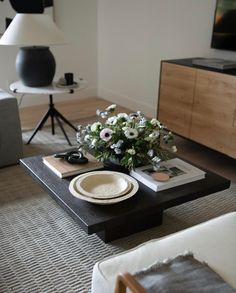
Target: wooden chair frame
{"type": "Point", "coordinates": [126, 280]}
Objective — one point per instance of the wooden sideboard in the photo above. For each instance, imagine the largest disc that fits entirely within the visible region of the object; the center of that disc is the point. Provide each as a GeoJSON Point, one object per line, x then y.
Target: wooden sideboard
{"type": "Point", "coordinates": [199, 103]}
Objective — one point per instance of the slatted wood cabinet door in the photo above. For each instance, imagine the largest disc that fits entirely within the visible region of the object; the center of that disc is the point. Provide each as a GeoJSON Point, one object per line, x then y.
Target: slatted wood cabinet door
{"type": "Point", "coordinates": [176, 97]}
{"type": "Point", "coordinates": [214, 111]}
{"type": "Point", "coordinates": [199, 104]}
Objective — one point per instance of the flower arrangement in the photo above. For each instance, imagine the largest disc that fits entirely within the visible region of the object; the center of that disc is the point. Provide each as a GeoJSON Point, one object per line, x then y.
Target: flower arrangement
{"type": "Point", "coordinates": [132, 140]}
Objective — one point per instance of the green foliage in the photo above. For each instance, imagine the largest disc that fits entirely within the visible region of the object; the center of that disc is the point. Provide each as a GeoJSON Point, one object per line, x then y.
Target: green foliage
{"type": "Point", "coordinates": [131, 138]}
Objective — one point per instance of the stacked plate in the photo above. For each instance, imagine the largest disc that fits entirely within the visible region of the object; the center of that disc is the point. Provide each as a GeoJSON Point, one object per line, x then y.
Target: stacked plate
{"type": "Point", "coordinates": [103, 187]}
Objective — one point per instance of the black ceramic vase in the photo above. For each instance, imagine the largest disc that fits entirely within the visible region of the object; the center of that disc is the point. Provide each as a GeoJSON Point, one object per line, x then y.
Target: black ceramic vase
{"type": "Point", "coordinates": [114, 165]}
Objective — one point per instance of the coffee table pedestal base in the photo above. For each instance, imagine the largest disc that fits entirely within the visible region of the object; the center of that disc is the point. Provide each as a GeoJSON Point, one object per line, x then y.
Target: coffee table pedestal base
{"type": "Point", "coordinates": [131, 226]}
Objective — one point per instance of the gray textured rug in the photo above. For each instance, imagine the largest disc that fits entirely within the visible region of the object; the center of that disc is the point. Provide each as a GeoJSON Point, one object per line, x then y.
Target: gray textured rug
{"type": "Point", "coordinates": [43, 250]}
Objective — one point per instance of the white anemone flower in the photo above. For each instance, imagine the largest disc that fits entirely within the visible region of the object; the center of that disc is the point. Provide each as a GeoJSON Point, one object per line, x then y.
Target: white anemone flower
{"type": "Point", "coordinates": [123, 115]}
{"type": "Point", "coordinates": [154, 134]}
{"type": "Point", "coordinates": [131, 132]}
{"type": "Point", "coordinates": [112, 120]}
{"type": "Point", "coordinates": [106, 134]}
{"type": "Point", "coordinates": [95, 126]}
{"type": "Point", "coordinates": [87, 138]}
{"type": "Point", "coordinates": [155, 122]}
{"type": "Point", "coordinates": [94, 142]}
{"type": "Point", "coordinates": [131, 151]}
{"type": "Point", "coordinates": [111, 108]}
{"type": "Point", "coordinates": [117, 151]}
{"type": "Point", "coordinates": [133, 116]}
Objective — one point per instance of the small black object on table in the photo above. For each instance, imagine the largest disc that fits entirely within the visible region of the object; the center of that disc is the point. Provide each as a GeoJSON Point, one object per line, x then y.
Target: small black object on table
{"type": "Point", "coordinates": [72, 157]}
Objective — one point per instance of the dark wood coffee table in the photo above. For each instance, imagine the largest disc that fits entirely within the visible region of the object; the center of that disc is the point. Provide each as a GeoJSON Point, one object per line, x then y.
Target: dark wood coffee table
{"type": "Point", "coordinates": [109, 222]}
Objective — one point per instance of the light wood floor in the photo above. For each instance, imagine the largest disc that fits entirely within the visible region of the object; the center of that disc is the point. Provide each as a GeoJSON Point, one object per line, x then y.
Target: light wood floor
{"type": "Point", "coordinates": [72, 110]}
{"type": "Point", "coordinates": [85, 109]}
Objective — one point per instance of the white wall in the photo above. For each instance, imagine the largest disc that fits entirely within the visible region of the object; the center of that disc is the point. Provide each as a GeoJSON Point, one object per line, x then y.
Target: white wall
{"type": "Point", "coordinates": [117, 46]}
{"type": "Point", "coordinates": [78, 20]}
{"type": "Point", "coordinates": [135, 35]}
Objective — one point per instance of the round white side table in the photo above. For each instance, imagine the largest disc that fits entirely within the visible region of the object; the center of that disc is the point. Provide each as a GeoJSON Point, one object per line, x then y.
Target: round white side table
{"type": "Point", "coordinates": [53, 89]}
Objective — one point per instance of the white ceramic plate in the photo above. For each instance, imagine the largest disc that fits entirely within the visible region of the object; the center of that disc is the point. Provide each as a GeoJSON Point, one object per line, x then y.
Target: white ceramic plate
{"type": "Point", "coordinates": [132, 182]}
{"type": "Point", "coordinates": [102, 185]}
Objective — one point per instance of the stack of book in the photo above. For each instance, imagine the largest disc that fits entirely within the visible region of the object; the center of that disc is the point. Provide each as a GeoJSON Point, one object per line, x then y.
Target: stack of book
{"type": "Point", "coordinates": [179, 172]}
{"type": "Point", "coordinates": [64, 169]}
{"type": "Point", "coordinates": [215, 63]}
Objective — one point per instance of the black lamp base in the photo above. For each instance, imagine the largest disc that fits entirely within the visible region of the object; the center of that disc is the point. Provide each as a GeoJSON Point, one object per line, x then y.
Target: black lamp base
{"type": "Point", "coordinates": [35, 66]}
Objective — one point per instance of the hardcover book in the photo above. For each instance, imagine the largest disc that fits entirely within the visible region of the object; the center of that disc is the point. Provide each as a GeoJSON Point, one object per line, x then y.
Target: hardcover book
{"type": "Point", "coordinates": [64, 169]}
{"type": "Point", "coordinates": [179, 172]}
{"type": "Point", "coordinates": [215, 63]}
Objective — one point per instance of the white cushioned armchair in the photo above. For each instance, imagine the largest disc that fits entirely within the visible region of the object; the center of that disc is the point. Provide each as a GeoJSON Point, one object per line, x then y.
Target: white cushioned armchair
{"type": "Point", "coordinates": [213, 242]}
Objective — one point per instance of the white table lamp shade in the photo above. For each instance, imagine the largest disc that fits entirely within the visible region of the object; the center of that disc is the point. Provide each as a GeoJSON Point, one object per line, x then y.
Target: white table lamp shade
{"type": "Point", "coordinates": [35, 64]}
{"type": "Point", "coordinates": [32, 30]}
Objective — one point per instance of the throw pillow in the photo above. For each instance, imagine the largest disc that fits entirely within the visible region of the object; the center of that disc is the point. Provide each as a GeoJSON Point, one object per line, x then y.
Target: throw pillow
{"type": "Point", "coordinates": [181, 274]}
